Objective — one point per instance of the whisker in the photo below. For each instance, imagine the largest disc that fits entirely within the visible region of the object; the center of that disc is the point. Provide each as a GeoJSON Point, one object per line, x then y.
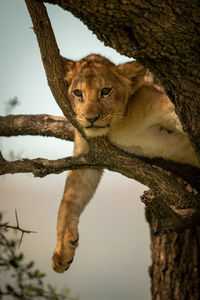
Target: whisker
{"type": "Point", "coordinates": [105, 118]}
{"type": "Point", "coordinates": [117, 117]}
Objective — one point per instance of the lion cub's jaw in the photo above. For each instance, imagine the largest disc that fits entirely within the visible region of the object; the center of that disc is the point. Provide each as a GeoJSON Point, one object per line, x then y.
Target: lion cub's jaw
{"type": "Point", "coordinates": [93, 132]}
{"type": "Point", "coordinates": [98, 91]}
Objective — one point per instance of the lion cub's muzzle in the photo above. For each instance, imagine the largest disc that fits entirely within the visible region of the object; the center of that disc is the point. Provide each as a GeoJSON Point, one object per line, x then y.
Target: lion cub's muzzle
{"type": "Point", "coordinates": [92, 122]}
{"type": "Point", "coordinates": [94, 126]}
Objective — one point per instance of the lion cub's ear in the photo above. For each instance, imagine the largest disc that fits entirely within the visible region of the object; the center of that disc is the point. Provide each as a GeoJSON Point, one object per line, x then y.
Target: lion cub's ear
{"type": "Point", "coordinates": [133, 71]}
{"type": "Point", "coordinates": [69, 67]}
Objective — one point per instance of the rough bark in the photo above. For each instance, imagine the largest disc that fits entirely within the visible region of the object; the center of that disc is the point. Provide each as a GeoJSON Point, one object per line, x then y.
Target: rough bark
{"type": "Point", "coordinates": [43, 125]}
{"type": "Point", "coordinates": [52, 61]}
{"type": "Point", "coordinates": [175, 263]}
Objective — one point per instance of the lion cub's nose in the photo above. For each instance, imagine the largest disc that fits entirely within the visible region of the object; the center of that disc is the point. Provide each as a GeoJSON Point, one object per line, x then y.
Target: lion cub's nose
{"type": "Point", "coordinates": [92, 120]}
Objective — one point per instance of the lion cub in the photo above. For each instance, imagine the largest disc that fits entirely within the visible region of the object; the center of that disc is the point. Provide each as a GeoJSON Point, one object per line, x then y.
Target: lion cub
{"type": "Point", "coordinates": [125, 103]}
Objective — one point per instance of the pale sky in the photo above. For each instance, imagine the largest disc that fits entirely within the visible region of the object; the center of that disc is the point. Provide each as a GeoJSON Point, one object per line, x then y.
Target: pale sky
{"type": "Point", "coordinates": [112, 260]}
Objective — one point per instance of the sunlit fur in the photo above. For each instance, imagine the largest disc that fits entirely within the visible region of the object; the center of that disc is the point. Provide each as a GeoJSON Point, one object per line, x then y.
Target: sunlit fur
{"type": "Point", "coordinates": [136, 115]}
{"type": "Point", "coordinates": [91, 75]}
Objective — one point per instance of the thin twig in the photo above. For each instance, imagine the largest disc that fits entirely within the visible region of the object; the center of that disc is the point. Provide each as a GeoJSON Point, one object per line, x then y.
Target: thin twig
{"type": "Point", "coordinates": [17, 227]}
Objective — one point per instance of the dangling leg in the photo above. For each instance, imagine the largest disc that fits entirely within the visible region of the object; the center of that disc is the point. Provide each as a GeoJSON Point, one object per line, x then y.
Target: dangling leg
{"type": "Point", "coordinates": [79, 189]}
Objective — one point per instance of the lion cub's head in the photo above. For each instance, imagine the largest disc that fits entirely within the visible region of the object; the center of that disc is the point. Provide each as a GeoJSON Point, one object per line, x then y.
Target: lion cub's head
{"type": "Point", "coordinates": [99, 91]}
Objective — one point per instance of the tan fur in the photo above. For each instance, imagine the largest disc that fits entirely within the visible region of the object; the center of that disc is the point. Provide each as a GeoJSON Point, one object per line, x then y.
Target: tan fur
{"type": "Point", "coordinates": [136, 115]}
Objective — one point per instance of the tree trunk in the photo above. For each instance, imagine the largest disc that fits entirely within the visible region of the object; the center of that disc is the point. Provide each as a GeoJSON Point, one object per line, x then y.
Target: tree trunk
{"type": "Point", "coordinates": [175, 270]}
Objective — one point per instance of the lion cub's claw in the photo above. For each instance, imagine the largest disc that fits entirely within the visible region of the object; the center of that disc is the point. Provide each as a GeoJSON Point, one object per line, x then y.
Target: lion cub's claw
{"type": "Point", "coordinates": [74, 243]}
{"type": "Point", "coordinates": [64, 253]}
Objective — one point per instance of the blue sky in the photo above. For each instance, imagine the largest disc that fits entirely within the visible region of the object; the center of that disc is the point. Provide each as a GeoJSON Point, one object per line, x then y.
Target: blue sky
{"type": "Point", "coordinates": [113, 257]}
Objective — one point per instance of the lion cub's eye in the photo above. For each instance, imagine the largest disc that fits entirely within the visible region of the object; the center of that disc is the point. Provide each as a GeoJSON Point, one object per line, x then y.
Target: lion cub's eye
{"type": "Point", "coordinates": [105, 91]}
{"type": "Point", "coordinates": [78, 93]}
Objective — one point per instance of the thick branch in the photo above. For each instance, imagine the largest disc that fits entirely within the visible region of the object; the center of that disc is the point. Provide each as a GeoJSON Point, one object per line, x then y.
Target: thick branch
{"type": "Point", "coordinates": [175, 198]}
{"type": "Point", "coordinates": [60, 127]}
{"type": "Point", "coordinates": [114, 160]}
{"type": "Point", "coordinates": [168, 216]}
{"type": "Point", "coordinates": [41, 167]}
{"type": "Point", "coordinates": [43, 125]}
{"type": "Point", "coordinates": [52, 61]}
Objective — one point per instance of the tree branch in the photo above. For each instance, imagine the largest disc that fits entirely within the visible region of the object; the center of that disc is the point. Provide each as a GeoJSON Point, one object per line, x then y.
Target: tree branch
{"type": "Point", "coordinates": [43, 125]}
{"type": "Point", "coordinates": [176, 200]}
{"type": "Point", "coordinates": [52, 61]}
{"type": "Point", "coordinates": [169, 217]}
{"type": "Point", "coordinates": [60, 127]}
{"type": "Point", "coordinates": [115, 160]}
{"type": "Point", "coordinates": [17, 227]}
{"type": "Point", "coordinates": [41, 167]}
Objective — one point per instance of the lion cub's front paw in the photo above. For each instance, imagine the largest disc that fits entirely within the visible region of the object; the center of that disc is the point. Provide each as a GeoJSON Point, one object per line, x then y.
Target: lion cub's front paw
{"type": "Point", "coordinates": [64, 252]}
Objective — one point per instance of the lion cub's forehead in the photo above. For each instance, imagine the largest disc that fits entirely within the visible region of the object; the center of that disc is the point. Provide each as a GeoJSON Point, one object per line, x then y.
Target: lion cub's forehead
{"type": "Point", "coordinates": [94, 60]}
{"type": "Point", "coordinates": [94, 70]}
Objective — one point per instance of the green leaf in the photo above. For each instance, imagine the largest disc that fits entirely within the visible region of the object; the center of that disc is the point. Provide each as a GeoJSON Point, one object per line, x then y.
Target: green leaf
{"type": "Point", "coordinates": [52, 290]}
{"type": "Point", "coordinates": [14, 262]}
{"type": "Point", "coordinates": [66, 293]}
{"type": "Point", "coordinates": [30, 289]}
{"type": "Point", "coordinates": [38, 274]}
{"type": "Point", "coordinates": [41, 282]}
{"type": "Point", "coordinates": [15, 231]}
{"type": "Point", "coordinates": [30, 265]}
{"type": "Point", "coordinates": [20, 257]}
